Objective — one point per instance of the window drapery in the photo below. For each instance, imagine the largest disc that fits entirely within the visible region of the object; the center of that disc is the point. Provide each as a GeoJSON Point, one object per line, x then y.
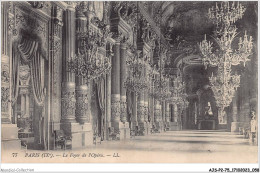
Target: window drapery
{"type": "Point", "coordinates": [30, 53]}
{"type": "Point", "coordinates": [15, 74]}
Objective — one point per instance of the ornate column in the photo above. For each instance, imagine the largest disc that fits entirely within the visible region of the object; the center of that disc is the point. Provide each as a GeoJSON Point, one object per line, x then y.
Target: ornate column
{"type": "Point", "coordinates": [146, 112]}
{"type": "Point", "coordinates": [151, 109]}
{"type": "Point", "coordinates": [123, 104]}
{"type": "Point", "coordinates": [115, 85]}
{"type": "Point", "coordinates": [175, 113]}
{"type": "Point", "coordinates": [234, 121]}
{"type": "Point", "coordinates": [7, 28]}
{"type": "Point", "coordinates": [157, 115]}
{"type": "Point", "coordinates": [146, 109]}
{"type": "Point", "coordinates": [56, 65]}
{"type": "Point", "coordinates": [135, 110]}
{"type": "Point", "coordinates": [140, 111]}
{"type": "Point", "coordinates": [68, 82]}
{"type": "Point", "coordinates": [156, 111]}
{"type": "Point", "coordinates": [82, 114]}
{"type": "Point", "coordinates": [163, 112]}
{"type": "Point", "coordinates": [140, 114]}
{"type": "Point", "coordinates": [9, 132]}
{"type": "Point", "coordinates": [167, 113]}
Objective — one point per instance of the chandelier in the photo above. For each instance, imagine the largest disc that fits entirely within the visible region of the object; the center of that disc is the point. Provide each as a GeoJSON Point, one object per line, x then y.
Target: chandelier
{"type": "Point", "coordinates": [224, 84]}
{"type": "Point", "coordinates": [88, 62]}
{"type": "Point", "coordinates": [161, 88]}
{"type": "Point", "coordinates": [136, 80]}
{"type": "Point", "coordinates": [89, 66]}
{"type": "Point", "coordinates": [178, 95]}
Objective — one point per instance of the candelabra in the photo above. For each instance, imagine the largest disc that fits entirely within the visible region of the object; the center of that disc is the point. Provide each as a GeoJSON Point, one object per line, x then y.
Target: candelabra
{"type": "Point", "coordinates": [224, 84]}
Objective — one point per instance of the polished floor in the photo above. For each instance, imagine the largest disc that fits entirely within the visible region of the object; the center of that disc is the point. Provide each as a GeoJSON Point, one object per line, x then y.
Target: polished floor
{"type": "Point", "coordinates": [191, 146]}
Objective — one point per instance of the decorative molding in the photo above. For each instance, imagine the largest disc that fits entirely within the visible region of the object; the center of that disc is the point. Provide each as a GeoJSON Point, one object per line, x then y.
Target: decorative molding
{"type": "Point", "coordinates": [68, 101]}
{"type": "Point", "coordinates": [5, 94]}
{"type": "Point", "coordinates": [115, 109]}
{"type": "Point", "coordinates": [5, 76]}
{"type": "Point", "coordinates": [24, 74]}
{"type": "Point", "coordinates": [37, 4]}
{"type": "Point", "coordinates": [82, 104]}
{"type": "Point", "coordinates": [123, 110]}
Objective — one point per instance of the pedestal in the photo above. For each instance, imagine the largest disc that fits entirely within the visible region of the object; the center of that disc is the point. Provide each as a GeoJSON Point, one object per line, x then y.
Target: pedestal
{"type": "Point", "coordinates": [174, 126]}
{"type": "Point", "coordinates": [9, 137]}
{"type": "Point", "coordinates": [123, 129]}
{"type": "Point", "coordinates": [82, 135]}
{"type": "Point", "coordinates": [159, 126]}
{"type": "Point", "coordinates": [235, 126]}
{"type": "Point", "coordinates": [206, 125]}
{"type": "Point", "coordinates": [144, 128]}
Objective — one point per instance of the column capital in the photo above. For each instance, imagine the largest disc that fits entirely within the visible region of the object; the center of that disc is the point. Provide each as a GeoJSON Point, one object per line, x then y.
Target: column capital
{"type": "Point", "coordinates": [123, 45]}
{"type": "Point", "coordinates": [71, 5]}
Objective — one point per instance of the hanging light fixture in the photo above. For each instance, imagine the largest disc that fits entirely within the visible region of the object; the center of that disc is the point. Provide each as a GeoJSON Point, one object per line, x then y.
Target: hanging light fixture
{"type": "Point", "coordinates": [136, 79]}
{"type": "Point", "coordinates": [224, 84]}
{"type": "Point", "coordinates": [88, 63]}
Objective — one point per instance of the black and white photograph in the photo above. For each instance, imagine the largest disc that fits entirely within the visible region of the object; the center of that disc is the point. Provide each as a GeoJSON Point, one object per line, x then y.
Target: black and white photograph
{"type": "Point", "coordinates": [129, 82]}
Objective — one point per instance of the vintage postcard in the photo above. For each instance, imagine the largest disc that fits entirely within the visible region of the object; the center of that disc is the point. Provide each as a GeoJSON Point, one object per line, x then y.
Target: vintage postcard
{"type": "Point", "coordinates": [129, 82]}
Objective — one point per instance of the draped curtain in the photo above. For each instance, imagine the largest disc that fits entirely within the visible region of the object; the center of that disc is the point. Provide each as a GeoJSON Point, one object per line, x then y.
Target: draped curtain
{"type": "Point", "coordinates": [101, 101]}
{"type": "Point", "coordinates": [15, 74]}
{"type": "Point", "coordinates": [30, 53]}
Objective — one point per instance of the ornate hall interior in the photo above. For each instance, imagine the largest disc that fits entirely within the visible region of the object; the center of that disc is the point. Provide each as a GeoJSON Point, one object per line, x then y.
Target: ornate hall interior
{"type": "Point", "coordinates": [175, 79]}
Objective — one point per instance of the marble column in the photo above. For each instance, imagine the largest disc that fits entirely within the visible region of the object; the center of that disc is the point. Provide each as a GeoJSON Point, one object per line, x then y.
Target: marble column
{"type": "Point", "coordinates": [82, 114]}
{"type": "Point", "coordinates": [9, 131]}
{"type": "Point", "coordinates": [55, 68]}
{"type": "Point", "coordinates": [158, 116]}
{"type": "Point", "coordinates": [146, 108]}
{"type": "Point", "coordinates": [156, 111]}
{"type": "Point", "coordinates": [123, 105]}
{"type": "Point", "coordinates": [233, 124]}
{"type": "Point", "coordinates": [163, 112]}
{"type": "Point", "coordinates": [135, 110]}
{"type": "Point", "coordinates": [6, 61]}
{"type": "Point", "coordinates": [172, 115]}
{"type": "Point", "coordinates": [234, 109]}
{"type": "Point", "coordinates": [115, 85]}
{"type": "Point", "coordinates": [175, 113]}
{"type": "Point", "coordinates": [141, 114]}
{"type": "Point", "coordinates": [151, 112]}
{"type": "Point", "coordinates": [68, 82]}
{"type": "Point", "coordinates": [140, 111]}
{"type": "Point", "coordinates": [167, 113]}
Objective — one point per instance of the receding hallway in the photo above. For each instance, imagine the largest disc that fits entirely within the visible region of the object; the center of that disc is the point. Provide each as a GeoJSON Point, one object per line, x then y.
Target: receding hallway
{"type": "Point", "coordinates": [190, 146]}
